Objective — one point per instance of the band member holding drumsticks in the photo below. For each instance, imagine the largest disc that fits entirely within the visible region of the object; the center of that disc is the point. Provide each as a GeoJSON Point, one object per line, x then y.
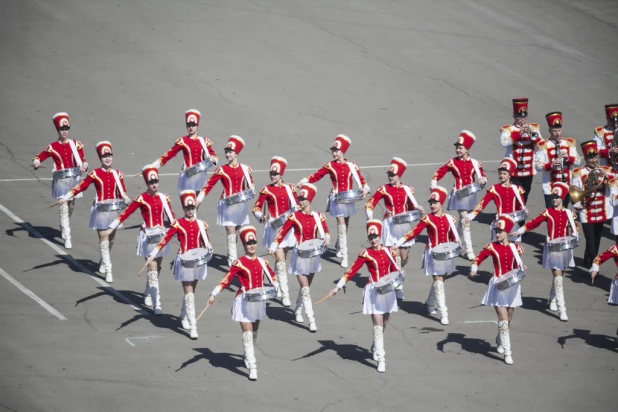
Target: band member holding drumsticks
{"type": "Point", "coordinates": [250, 270]}
{"type": "Point", "coordinates": [380, 261]}
{"type": "Point", "coordinates": [66, 154]}
{"type": "Point", "coordinates": [612, 252]}
{"type": "Point", "coordinates": [192, 235]}
{"type": "Point", "coordinates": [279, 198]}
{"type": "Point", "coordinates": [110, 187]}
{"type": "Point", "coordinates": [154, 206]}
{"type": "Point", "coordinates": [398, 198]}
{"type": "Point", "coordinates": [195, 149]}
{"type": "Point", "coordinates": [235, 178]}
{"type": "Point", "coordinates": [466, 171]}
{"type": "Point", "coordinates": [440, 229]}
{"type": "Point", "coordinates": [343, 175]}
{"type": "Point", "coordinates": [306, 225]}
{"type": "Point", "coordinates": [604, 136]}
{"type": "Point", "coordinates": [560, 223]}
{"type": "Point", "coordinates": [505, 256]}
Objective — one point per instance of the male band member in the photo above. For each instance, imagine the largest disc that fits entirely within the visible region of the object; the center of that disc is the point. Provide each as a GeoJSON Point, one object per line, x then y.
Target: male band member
{"type": "Point", "coordinates": [520, 140]}
{"type": "Point", "coordinates": [556, 157]}
{"type": "Point", "coordinates": [281, 200]}
{"type": "Point", "coordinates": [66, 154]}
{"type": "Point", "coordinates": [235, 178]}
{"type": "Point", "coordinates": [604, 135]}
{"type": "Point", "coordinates": [595, 208]}
{"type": "Point", "coordinates": [612, 252]}
{"type": "Point", "coordinates": [343, 175]}
{"type": "Point", "coordinates": [195, 149]}
{"type": "Point", "coordinates": [154, 206]}
{"type": "Point", "coordinates": [250, 271]}
{"type": "Point", "coordinates": [398, 198]}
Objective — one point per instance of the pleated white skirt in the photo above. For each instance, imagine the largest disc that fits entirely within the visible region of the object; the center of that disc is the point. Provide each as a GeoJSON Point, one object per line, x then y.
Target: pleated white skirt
{"type": "Point", "coordinates": [183, 274]}
{"type": "Point", "coordinates": [101, 220]}
{"type": "Point", "coordinates": [340, 209]}
{"type": "Point", "coordinates": [558, 260]}
{"type": "Point", "coordinates": [509, 298]}
{"type": "Point", "coordinates": [436, 267]}
{"type": "Point", "coordinates": [391, 232]}
{"type": "Point", "coordinates": [613, 293]}
{"type": "Point", "coordinates": [144, 248]}
{"type": "Point", "coordinates": [304, 266]}
{"type": "Point", "coordinates": [377, 304]}
{"type": "Point", "coordinates": [467, 203]}
{"type": "Point", "coordinates": [270, 234]}
{"type": "Point", "coordinates": [245, 311]}
{"type": "Point", "coordinates": [232, 215]}
{"type": "Point", "coordinates": [195, 182]}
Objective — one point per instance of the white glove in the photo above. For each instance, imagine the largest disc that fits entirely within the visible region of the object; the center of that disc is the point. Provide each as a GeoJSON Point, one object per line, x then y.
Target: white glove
{"type": "Point", "coordinates": [200, 197]}
{"type": "Point", "coordinates": [341, 282]}
{"type": "Point", "coordinates": [258, 215]}
{"type": "Point", "coordinates": [302, 181]}
{"type": "Point", "coordinates": [157, 164]}
{"type": "Point", "coordinates": [434, 183]}
{"type": "Point", "coordinates": [369, 214]}
{"type": "Point", "coordinates": [36, 163]}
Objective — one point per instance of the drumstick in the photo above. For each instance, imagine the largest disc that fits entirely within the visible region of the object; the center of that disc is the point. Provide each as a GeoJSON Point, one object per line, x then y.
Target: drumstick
{"type": "Point", "coordinates": [137, 174]}
{"type": "Point", "coordinates": [54, 204]}
{"type": "Point", "coordinates": [323, 299]}
{"type": "Point", "coordinates": [202, 312]}
{"type": "Point", "coordinates": [143, 267]}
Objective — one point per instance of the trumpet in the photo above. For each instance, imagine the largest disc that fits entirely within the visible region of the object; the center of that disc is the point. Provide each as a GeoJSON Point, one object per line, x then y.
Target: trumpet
{"type": "Point", "coordinates": [613, 158]}
{"type": "Point", "coordinates": [593, 181]}
{"type": "Point", "coordinates": [526, 132]}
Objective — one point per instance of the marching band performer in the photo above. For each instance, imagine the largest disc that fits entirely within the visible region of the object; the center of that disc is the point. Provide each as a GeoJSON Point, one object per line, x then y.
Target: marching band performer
{"type": "Point", "coordinates": [560, 222]}
{"type": "Point", "coordinates": [555, 158]}
{"type": "Point", "coordinates": [506, 196]}
{"type": "Point", "coordinates": [343, 175]}
{"type": "Point", "coordinates": [192, 234]}
{"type": "Point", "coordinates": [109, 185]}
{"type": "Point", "coordinates": [195, 149]}
{"type": "Point", "coordinates": [595, 208]}
{"type": "Point", "coordinates": [235, 178]}
{"type": "Point", "coordinates": [306, 225]}
{"type": "Point", "coordinates": [466, 171]}
{"type": "Point", "coordinates": [398, 198]}
{"type": "Point", "coordinates": [505, 256]}
{"type": "Point", "coordinates": [66, 154]}
{"type": "Point", "coordinates": [604, 135]}
{"type": "Point", "coordinates": [250, 270]}
{"type": "Point", "coordinates": [154, 206]}
{"type": "Point", "coordinates": [279, 197]}
{"type": "Point", "coordinates": [380, 261]}
{"type": "Point", "coordinates": [440, 229]}
{"type": "Point", "coordinates": [612, 252]}
{"type": "Point", "coordinates": [520, 140]}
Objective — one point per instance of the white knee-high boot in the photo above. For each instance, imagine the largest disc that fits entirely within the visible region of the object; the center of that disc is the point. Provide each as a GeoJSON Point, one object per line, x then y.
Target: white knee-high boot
{"type": "Point", "coordinates": [559, 289]}
{"type": "Point", "coordinates": [343, 244]}
{"type": "Point", "coordinates": [378, 345]}
{"type": "Point", "coordinates": [153, 288]}
{"type": "Point", "coordinates": [553, 306]}
{"type": "Point", "coordinates": [505, 341]}
{"type": "Point", "coordinates": [107, 260]}
{"type": "Point", "coordinates": [282, 276]}
{"type": "Point", "coordinates": [65, 228]}
{"type": "Point", "coordinates": [249, 352]}
{"type": "Point", "coordinates": [147, 297]}
{"type": "Point", "coordinates": [438, 287]}
{"type": "Point", "coordinates": [298, 310]}
{"type": "Point", "coordinates": [305, 293]}
{"type": "Point", "coordinates": [190, 308]}
{"type": "Point", "coordinates": [231, 249]}
{"type": "Point", "coordinates": [431, 300]}
{"type": "Point", "coordinates": [467, 240]}
{"type": "Point", "coordinates": [399, 289]}
{"type": "Point", "coordinates": [184, 320]}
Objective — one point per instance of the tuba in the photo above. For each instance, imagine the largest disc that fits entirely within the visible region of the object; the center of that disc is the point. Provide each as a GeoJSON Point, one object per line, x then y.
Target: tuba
{"type": "Point", "coordinates": [593, 181]}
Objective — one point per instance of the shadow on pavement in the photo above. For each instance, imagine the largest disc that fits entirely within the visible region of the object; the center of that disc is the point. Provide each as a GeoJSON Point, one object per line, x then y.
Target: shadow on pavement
{"type": "Point", "coordinates": [87, 263]}
{"type": "Point", "coordinates": [416, 308]}
{"type": "Point", "coordinates": [230, 361]}
{"type": "Point", "coordinates": [49, 233]}
{"type": "Point", "coordinates": [471, 345]}
{"type": "Point", "coordinates": [580, 275]}
{"type": "Point", "coordinates": [592, 339]}
{"type": "Point", "coordinates": [539, 304]}
{"type": "Point", "coordinates": [219, 262]}
{"type": "Point", "coordinates": [283, 314]}
{"type": "Point", "coordinates": [344, 351]}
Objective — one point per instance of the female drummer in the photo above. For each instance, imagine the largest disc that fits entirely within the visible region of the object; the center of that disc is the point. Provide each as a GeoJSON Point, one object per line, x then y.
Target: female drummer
{"type": "Point", "coordinates": [279, 198]}
{"type": "Point", "coordinates": [380, 261]}
{"type": "Point", "coordinates": [109, 185]}
{"type": "Point", "coordinates": [195, 149]}
{"type": "Point", "coordinates": [560, 223]}
{"type": "Point", "coordinates": [235, 178]}
{"type": "Point", "coordinates": [466, 171]}
{"type": "Point", "coordinates": [343, 175]}
{"type": "Point", "coordinates": [67, 154]}
{"type": "Point", "coordinates": [506, 196]}
{"type": "Point", "coordinates": [612, 252]}
{"type": "Point", "coordinates": [154, 207]}
{"type": "Point", "coordinates": [398, 198]}
{"type": "Point", "coordinates": [440, 229]}
{"type": "Point", "coordinates": [192, 234]}
{"type": "Point", "coordinates": [306, 225]}
{"type": "Point", "coordinates": [250, 270]}
{"type": "Point", "coordinates": [505, 256]}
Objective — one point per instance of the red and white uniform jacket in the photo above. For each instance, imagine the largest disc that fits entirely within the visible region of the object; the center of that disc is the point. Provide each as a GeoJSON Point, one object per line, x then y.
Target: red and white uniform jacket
{"type": "Point", "coordinates": [439, 229]}
{"type": "Point", "coordinates": [396, 200]}
{"type": "Point", "coordinates": [232, 178]}
{"type": "Point", "coordinates": [104, 184]}
{"type": "Point", "coordinates": [340, 176]}
{"type": "Point", "coordinates": [277, 199]}
{"type": "Point", "coordinates": [612, 252]}
{"type": "Point", "coordinates": [558, 224]}
{"type": "Point", "coordinates": [504, 198]}
{"type": "Point", "coordinates": [546, 152]}
{"type": "Point", "coordinates": [192, 151]}
{"type": "Point", "coordinates": [379, 264]}
{"type": "Point", "coordinates": [462, 170]}
{"type": "Point", "coordinates": [188, 233]}
{"type": "Point", "coordinates": [152, 209]}
{"type": "Point", "coordinates": [249, 272]}
{"type": "Point", "coordinates": [522, 150]}
{"type": "Point", "coordinates": [502, 256]}
{"type": "Point", "coordinates": [304, 226]}
{"type": "Point", "coordinates": [62, 154]}
{"type": "Point", "coordinates": [603, 136]}
{"type": "Point", "coordinates": [597, 205]}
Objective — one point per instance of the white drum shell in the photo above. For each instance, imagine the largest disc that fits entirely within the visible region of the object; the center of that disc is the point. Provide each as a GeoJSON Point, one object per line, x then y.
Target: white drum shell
{"type": "Point", "coordinates": [245, 311]}
{"type": "Point", "coordinates": [340, 209]}
{"type": "Point", "coordinates": [195, 182]}
{"type": "Point", "coordinates": [184, 274]}
{"type": "Point", "coordinates": [101, 220]}
{"type": "Point", "coordinates": [510, 298]}
{"type": "Point", "coordinates": [436, 267]}
{"type": "Point", "coordinates": [144, 248]}
{"type": "Point", "coordinates": [197, 168]}
{"type": "Point", "coordinates": [349, 196]}
{"type": "Point", "coordinates": [261, 294]}
{"type": "Point", "coordinates": [232, 215]}
{"type": "Point", "coordinates": [236, 198]}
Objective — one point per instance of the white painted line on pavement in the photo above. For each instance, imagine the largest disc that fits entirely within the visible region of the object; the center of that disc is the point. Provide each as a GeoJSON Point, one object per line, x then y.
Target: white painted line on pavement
{"type": "Point", "coordinates": [31, 294]}
{"type": "Point", "coordinates": [139, 337]}
{"type": "Point", "coordinates": [481, 321]}
{"type": "Point", "coordinates": [71, 260]}
{"type": "Point", "coordinates": [34, 179]}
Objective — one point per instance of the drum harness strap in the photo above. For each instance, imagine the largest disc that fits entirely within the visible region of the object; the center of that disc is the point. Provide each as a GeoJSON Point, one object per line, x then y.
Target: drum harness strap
{"type": "Point", "coordinates": [265, 269]}
{"type": "Point", "coordinates": [355, 174]}
{"type": "Point", "coordinates": [390, 256]}
{"type": "Point", "coordinates": [318, 224]}
{"type": "Point", "coordinates": [75, 153]}
{"type": "Point", "coordinates": [245, 171]}
{"type": "Point", "coordinates": [206, 155]}
{"type": "Point", "coordinates": [200, 224]}
{"type": "Point", "coordinates": [518, 196]}
{"type": "Point", "coordinates": [166, 207]}
{"type": "Point", "coordinates": [477, 170]}
{"type": "Point", "coordinates": [453, 229]}
{"type": "Point", "coordinates": [410, 196]}
{"type": "Point", "coordinates": [118, 185]}
{"type": "Point", "coordinates": [516, 256]}
{"type": "Point", "coordinates": [290, 196]}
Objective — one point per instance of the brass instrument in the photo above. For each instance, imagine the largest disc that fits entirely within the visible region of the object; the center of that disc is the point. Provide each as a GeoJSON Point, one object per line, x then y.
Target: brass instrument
{"type": "Point", "coordinates": [613, 159]}
{"type": "Point", "coordinates": [593, 181]}
{"type": "Point", "coordinates": [526, 132]}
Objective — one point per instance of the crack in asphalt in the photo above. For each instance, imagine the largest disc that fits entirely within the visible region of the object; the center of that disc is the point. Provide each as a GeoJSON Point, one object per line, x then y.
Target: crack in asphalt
{"type": "Point", "coordinates": [12, 156]}
{"type": "Point", "coordinates": [355, 397]}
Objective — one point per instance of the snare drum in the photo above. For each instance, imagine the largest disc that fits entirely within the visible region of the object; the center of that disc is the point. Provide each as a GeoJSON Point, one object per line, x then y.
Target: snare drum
{"type": "Point", "coordinates": [446, 251]}
{"type": "Point", "coordinates": [261, 294]}
{"type": "Point", "coordinates": [388, 283]}
{"type": "Point", "coordinates": [195, 257]}
{"type": "Point", "coordinates": [510, 279]}
{"type": "Point", "coordinates": [518, 215]}
{"type": "Point", "coordinates": [66, 173]}
{"type": "Point", "coordinates": [562, 243]}
{"type": "Point", "coordinates": [407, 217]}
{"type": "Point", "coordinates": [241, 197]}
{"type": "Point", "coordinates": [468, 190]}
{"type": "Point", "coordinates": [154, 235]}
{"type": "Point", "coordinates": [202, 166]}
{"type": "Point", "coordinates": [278, 222]}
{"type": "Point", "coordinates": [349, 196]}
{"type": "Point", "coordinates": [311, 248]}
{"type": "Point", "coordinates": [111, 205]}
